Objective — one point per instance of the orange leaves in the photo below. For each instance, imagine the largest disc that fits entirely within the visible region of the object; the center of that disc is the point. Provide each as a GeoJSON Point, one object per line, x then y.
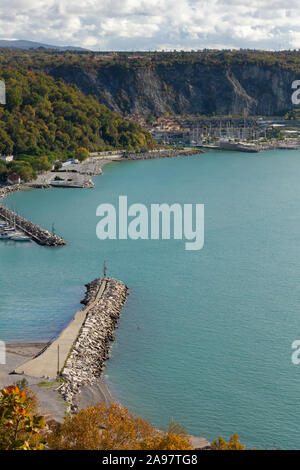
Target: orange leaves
{"type": "Point", "coordinates": [233, 444]}
{"type": "Point", "coordinates": [102, 428]}
{"type": "Point", "coordinates": [19, 427]}
{"type": "Point", "coordinates": [95, 428]}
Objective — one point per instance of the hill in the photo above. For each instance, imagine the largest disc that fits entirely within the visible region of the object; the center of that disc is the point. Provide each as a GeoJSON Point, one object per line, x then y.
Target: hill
{"type": "Point", "coordinates": [22, 44]}
{"type": "Point", "coordinates": [154, 83]}
{"type": "Point", "coordinates": [45, 120]}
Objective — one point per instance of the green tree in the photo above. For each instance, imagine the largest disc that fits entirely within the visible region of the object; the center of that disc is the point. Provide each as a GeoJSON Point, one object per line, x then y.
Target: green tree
{"type": "Point", "coordinates": [82, 154]}
{"type": "Point", "coordinates": [41, 164]}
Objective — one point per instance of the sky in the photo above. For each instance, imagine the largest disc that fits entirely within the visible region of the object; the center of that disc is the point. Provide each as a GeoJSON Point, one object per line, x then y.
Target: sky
{"type": "Point", "coordinates": [154, 24]}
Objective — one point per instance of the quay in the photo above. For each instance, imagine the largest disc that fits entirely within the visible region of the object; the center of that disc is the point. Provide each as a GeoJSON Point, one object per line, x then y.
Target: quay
{"type": "Point", "coordinates": [79, 353]}
{"type": "Point", "coordinates": [35, 232]}
{"type": "Point", "coordinates": [145, 155]}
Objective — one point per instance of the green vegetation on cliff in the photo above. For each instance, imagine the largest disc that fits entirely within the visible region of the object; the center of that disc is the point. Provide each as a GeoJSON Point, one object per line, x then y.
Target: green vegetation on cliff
{"type": "Point", "coordinates": [39, 58]}
{"type": "Point", "coordinates": [50, 119]}
{"type": "Point", "coordinates": [208, 82]}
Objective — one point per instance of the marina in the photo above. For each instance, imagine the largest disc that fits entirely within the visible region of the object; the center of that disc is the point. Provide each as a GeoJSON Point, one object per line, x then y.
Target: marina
{"type": "Point", "coordinates": [20, 229]}
{"type": "Point", "coordinates": [8, 232]}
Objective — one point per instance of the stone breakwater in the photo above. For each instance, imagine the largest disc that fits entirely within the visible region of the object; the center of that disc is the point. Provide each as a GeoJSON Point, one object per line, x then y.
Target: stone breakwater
{"type": "Point", "coordinates": [12, 189]}
{"type": "Point", "coordinates": [36, 233]}
{"type": "Point", "coordinates": [161, 154]}
{"type": "Point", "coordinates": [105, 299]}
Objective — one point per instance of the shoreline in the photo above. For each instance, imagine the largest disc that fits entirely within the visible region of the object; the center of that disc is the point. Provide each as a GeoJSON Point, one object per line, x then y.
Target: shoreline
{"type": "Point", "coordinates": [19, 352]}
{"type": "Point", "coordinates": [78, 355]}
{"type": "Point", "coordinates": [50, 402]}
{"type": "Point", "coordinates": [81, 174]}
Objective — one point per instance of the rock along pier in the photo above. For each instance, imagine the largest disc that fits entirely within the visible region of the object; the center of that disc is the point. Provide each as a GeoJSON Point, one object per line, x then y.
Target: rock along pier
{"type": "Point", "coordinates": [104, 301]}
{"type": "Point", "coordinates": [79, 353]}
{"type": "Point", "coordinates": [36, 233]}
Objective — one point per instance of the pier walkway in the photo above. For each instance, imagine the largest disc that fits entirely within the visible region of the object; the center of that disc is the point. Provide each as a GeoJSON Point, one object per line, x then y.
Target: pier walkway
{"type": "Point", "coordinates": [51, 361]}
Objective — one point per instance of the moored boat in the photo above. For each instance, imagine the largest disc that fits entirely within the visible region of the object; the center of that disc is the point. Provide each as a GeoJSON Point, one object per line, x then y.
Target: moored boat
{"type": "Point", "coordinates": [20, 238]}
{"type": "Point", "coordinates": [4, 236]}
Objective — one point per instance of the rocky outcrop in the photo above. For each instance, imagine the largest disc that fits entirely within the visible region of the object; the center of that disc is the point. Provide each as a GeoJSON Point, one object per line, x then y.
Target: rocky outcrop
{"type": "Point", "coordinates": [86, 361]}
{"type": "Point", "coordinates": [186, 88]}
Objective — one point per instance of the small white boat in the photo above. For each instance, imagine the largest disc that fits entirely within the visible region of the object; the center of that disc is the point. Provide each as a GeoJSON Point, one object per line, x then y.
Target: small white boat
{"type": "Point", "coordinates": [20, 238]}
{"type": "Point", "coordinates": [5, 236]}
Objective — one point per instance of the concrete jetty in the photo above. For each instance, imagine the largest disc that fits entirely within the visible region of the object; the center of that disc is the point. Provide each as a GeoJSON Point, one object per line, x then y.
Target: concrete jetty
{"type": "Point", "coordinates": [80, 351]}
{"type": "Point", "coordinates": [35, 232]}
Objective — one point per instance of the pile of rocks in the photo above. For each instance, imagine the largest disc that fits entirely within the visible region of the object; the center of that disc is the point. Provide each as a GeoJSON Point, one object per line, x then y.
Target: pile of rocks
{"type": "Point", "coordinates": [11, 189]}
{"type": "Point", "coordinates": [38, 234]}
{"type": "Point", "coordinates": [91, 348]}
{"type": "Point", "coordinates": [162, 154]}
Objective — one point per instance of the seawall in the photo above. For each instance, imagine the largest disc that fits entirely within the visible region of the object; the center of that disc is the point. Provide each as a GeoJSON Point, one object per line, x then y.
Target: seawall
{"type": "Point", "coordinates": [86, 360]}
{"type": "Point", "coordinates": [168, 153]}
{"type": "Point", "coordinates": [35, 232]}
{"type": "Point", "coordinates": [79, 353]}
{"type": "Point", "coordinates": [122, 155]}
{"type": "Point", "coordinates": [12, 189]}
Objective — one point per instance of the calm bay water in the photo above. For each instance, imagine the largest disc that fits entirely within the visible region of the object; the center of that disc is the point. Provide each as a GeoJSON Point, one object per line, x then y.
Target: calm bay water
{"type": "Point", "coordinates": [205, 337]}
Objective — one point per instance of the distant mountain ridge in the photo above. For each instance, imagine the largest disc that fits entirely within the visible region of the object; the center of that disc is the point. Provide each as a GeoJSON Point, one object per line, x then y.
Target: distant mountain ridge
{"type": "Point", "coordinates": [22, 44]}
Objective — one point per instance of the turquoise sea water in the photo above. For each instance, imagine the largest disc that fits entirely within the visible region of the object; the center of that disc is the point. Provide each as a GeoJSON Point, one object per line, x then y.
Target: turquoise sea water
{"type": "Point", "coordinates": [205, 337]}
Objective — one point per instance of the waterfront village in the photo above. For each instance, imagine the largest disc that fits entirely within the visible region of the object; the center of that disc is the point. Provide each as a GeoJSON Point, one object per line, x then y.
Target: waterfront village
{"type": "Point", "coordinates": [176, 133]}
{"type": "Point", "coordinates": [207, 131]}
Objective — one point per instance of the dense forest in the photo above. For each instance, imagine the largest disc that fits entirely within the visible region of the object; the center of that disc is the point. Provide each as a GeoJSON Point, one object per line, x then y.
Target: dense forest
{"type": "Point", "coordinates": [41, 58]}
{"type": "Point", "coordinates": [45, 120]}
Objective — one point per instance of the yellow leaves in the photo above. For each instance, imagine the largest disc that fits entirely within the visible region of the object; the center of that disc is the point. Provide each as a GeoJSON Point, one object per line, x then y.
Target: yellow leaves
{"type": "Point", "coordinates": [95, 428]}
{"type": "Point", "coordinates": [19, 427]}
{"type": "Point", "coordinates": [102, 428]}
{"type": "Point", "coordinates": [233, 444]}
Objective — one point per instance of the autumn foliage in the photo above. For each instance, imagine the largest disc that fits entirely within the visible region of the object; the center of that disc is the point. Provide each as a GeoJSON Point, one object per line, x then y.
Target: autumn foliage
{"type": "Point", "coordinates": [102, 428]}
{"type": "Point", "coordinates": [96, 428]}
{"type": "Point", "coordinates": [20, 427]}
{"type": "Point", "coordinates": [233, 444]}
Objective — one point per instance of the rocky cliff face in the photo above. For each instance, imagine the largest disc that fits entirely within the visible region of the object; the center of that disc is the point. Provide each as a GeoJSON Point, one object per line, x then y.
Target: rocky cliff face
{"type": "Point", "coordinates": [186, 88]}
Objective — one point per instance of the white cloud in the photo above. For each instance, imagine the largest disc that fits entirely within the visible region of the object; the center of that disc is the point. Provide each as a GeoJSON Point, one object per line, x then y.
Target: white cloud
{"type": "Point", "coordinates": [295, 39]}
{"type": "Point", "coordinates": [151, 24]}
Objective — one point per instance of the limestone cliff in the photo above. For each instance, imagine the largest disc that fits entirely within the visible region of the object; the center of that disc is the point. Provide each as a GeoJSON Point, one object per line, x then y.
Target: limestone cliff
{"type": "Point", "coordinates": [189, 88]}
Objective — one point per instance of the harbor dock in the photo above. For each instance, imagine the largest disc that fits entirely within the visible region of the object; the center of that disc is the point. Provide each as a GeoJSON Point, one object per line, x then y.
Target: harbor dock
{"type": "Point", "coordinates": [79, 353]}
{"type": "Point", "coordinates": [35, 232]}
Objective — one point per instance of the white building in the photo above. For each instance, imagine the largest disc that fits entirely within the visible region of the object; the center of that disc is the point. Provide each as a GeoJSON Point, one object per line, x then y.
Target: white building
{"type": "Point", "coordinates": [6, 158]}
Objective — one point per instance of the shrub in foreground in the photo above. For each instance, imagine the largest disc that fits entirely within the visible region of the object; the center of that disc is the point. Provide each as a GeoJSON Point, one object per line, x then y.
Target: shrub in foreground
{"type": "Point", "coordinates": [95, 428]}
{"type": "Point", "coordinates": [102, 428]}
